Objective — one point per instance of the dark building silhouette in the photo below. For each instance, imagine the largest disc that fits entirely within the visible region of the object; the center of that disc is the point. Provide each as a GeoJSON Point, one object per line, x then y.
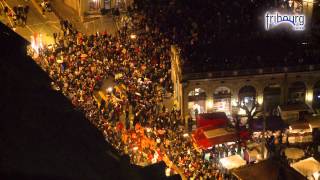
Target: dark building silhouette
{"type": "Point", "coordinates": [41, 135]}
{"type": "Point", "coordinates": [270, 169]}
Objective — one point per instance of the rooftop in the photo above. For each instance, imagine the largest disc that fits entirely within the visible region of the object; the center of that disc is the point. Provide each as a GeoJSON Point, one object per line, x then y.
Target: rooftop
{"type": "Point", "coordinates": [270, 169]}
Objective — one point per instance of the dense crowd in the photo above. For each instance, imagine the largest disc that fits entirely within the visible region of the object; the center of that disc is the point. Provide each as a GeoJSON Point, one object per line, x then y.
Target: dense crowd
{"type": "Point", "coordinates": [206, 31]}
{"type": "Point", "coordinates": [132, 115]}
{"type": "Point", "coordinates": [18, 14]}
{"type": "Point", "coordinates": [139, 57]}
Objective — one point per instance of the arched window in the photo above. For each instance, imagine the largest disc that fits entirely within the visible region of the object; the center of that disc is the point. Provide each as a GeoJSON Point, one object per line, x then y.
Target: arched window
{"type": "Point", "coordinates": [222, 100]}
{"type": "Point", "coordinates": [94, 5]}
{"type": "Point", "coordinates": [247, 96]}
{"type": "Point", "coordinates": [297, 92]}
{"type": "Point", "coordinates": [271, 97]}
{"type": "Point", "coordinates": [196, 102]}
{"type": "Point", "coordinates": [197, 94]}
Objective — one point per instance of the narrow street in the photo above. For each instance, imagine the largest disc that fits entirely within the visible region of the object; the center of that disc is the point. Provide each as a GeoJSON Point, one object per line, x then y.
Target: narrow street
{"type": "Point", "coordinates": [46, 24]}
{"type": "Point", "coordinates": [89, 25]}
{"type": "Point", "coordinates": [37, 24]}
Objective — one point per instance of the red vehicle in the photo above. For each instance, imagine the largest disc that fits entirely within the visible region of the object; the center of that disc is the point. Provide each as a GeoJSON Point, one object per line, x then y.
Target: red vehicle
{"type": "Point", "coordinates": [216, 119]}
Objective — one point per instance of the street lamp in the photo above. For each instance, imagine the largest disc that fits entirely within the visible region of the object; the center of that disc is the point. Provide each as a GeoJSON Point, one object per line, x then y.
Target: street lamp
{"type": "Point", "coordinates": [109, 89]}
{"type": "Point", "coordinates": [133, 36]}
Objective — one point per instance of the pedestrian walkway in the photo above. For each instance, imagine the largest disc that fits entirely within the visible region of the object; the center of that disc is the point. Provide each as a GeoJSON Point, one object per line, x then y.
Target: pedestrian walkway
{"type": "Point", "coordinates": [88, 25]}
{"type": "Point", "coordinates": [36, 24]}
{"type": "Point", "coordinates": [65, 12]}
{"type": "Point", "coordinates": [104, 23]}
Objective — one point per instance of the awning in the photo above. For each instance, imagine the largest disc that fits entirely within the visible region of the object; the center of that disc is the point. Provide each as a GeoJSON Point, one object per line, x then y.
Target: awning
{"type": "Point", "coordinates": [253, 152]}
{"type": "Point", "coordinates": [217, 119]}
{"type": "Point", "coordinates": [232, 162]}
{"type": "Point", "coordinates": [272, 124]}
{"type": "Point", "coordinates": [269, 169]}
{"type": "Point", "coordinates": [294, 107]}
{"type": "Point", "coordinates": [307, 167]}
{"type": "Point", "coordinates": [210, 136]}
{"type": "Point", "coordinates": [294, 153]}
{"type": "Point", "coordinates": [315, 122]}
{"type": "Point", "coordinates": [300, 127]}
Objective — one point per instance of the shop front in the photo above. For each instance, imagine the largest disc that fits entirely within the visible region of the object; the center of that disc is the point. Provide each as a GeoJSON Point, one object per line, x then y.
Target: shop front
{"type": "Point", "coordinates": [222, 100]}
{"type": "Point", "coordinates": [94, 6]}
{"type": "Point", "coordinates": [216, 119]}
{"type": "Point", "coordinates": [107, 4]}
{"type": "Point", "coordinates": [299, 134]}
{"type": "Point", "coordinates": [309, 168]}
{"type": "Point", "coordinates": [219, 142]}
{"type": "Point", "coordinates": [254, 152]}
{"type": "Point", "coordinates": [196, 102]}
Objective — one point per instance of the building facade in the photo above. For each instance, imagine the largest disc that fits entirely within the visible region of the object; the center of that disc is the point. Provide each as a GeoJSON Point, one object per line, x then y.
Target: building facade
{"type": "Point", "coordinates": [88, 7]}
{"type": "Point", "coordinates": [223, 90]}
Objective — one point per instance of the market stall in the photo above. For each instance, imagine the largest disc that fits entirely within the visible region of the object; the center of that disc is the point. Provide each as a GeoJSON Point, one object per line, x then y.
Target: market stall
{"type": "Point", "coordinates": [217, 119]}
{"type": "Point", "coordinates": [294, 153]}
{"type": "Point", "coordinates": [254, 152]}
{"type": "Point", "coordinates": [299, 133]}
{"type": "Point", "coordinates": [266, 170]}
{"type": "Point", "coordinates": [232, 162]}
{"type": "Point", "coordinates": [309, 168]}
{"type": "Point", "coordinates": [208, 137]}
{"type": "Point", "coordinates": [314, 121]}
{"type": "Point", "coordinates": [293, 112]}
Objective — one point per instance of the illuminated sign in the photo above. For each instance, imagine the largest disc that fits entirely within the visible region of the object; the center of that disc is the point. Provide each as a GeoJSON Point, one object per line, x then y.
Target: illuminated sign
{"type": "Point", "coordinates": [297, 21]}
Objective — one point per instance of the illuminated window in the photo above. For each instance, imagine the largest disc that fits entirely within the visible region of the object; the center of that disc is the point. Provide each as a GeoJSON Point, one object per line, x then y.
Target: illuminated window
{"type": "Point", "coordinates": [93, 5]}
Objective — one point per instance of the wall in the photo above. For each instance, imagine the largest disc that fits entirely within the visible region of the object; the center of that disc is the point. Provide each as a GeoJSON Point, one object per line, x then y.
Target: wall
{"type": "Point", "coordinates": [176, 76]}
{"type": "Point", "coordinates": [259, 82]}
{"type": "Point", "coordinates": [72, 3]}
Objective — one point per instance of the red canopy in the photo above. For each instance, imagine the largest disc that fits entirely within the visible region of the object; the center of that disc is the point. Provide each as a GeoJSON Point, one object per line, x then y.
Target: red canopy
{"type": "Point", "coordinates": [216, 119]}
{"type": "Point", "coordinates": [210, 136]}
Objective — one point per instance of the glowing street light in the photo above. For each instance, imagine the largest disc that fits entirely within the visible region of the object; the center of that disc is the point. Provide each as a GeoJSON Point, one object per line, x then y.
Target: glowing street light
{"type": "Point", "coordinates": [109, 89]}
{"type": "Point", "coordinates": [36, 42]}
{"type": "Point", "coordinates": [133, 36]}
{"type": "Point", "coordinates": [168, 172]}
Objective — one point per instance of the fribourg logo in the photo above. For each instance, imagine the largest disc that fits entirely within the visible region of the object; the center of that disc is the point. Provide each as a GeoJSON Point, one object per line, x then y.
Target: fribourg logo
{"type": "Point", "coordinates": [297, 21]}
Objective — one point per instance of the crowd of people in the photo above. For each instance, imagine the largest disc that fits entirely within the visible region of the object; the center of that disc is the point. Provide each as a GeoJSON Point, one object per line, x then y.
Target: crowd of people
{"type": "Point", "coordinates": [139, 56]}
{"type": "Point", "coordinates": [18, 14]}
{"type": "Point", "coordinates": [206, 31]}
{"type": "Point", "coordinates": [132, 116]}
{"type": "Point", "coordinates": [45, 6]}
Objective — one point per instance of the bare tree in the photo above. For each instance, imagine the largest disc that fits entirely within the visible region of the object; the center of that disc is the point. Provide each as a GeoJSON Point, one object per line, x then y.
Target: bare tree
{"type": "Point", "coordinates": [251, 112]}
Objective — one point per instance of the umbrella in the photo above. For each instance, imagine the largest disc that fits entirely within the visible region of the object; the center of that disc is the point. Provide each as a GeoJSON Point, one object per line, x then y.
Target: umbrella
{"type": "Point", "coordinates": [294, 153]}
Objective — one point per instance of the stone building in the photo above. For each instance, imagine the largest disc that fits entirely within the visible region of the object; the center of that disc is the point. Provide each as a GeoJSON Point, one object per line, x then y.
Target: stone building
{"type": "Point", "coordinates": [93, 7]}
{"type": "Point", "coordinates": [222, 90]}
{"type": "Point", "coordinates": [271, 68]}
